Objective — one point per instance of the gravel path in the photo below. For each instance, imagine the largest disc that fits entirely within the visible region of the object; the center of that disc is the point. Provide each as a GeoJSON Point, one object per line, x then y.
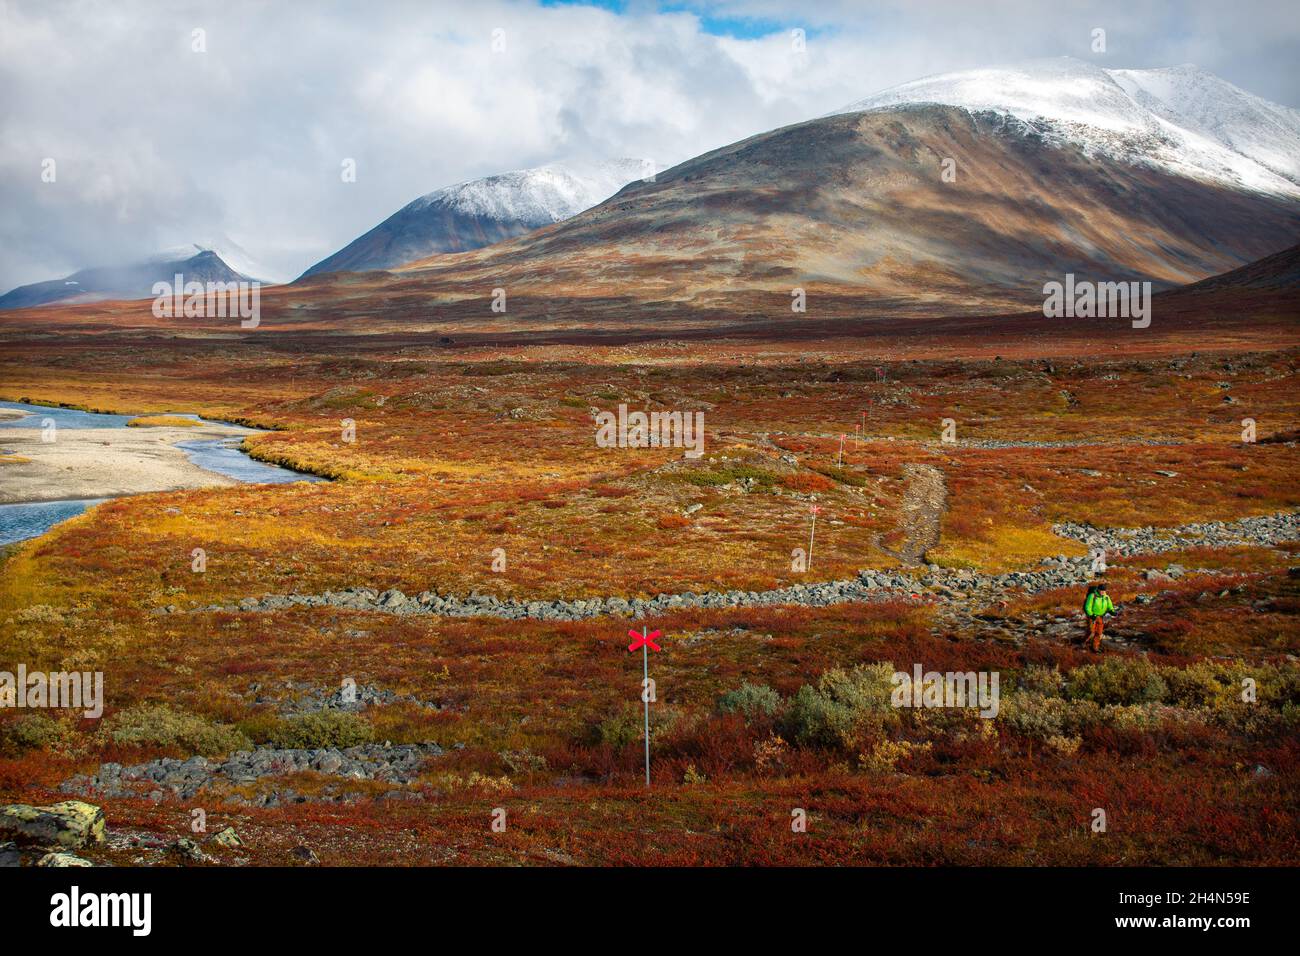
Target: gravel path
{"type": "Point", "coordinates": [923, 506]}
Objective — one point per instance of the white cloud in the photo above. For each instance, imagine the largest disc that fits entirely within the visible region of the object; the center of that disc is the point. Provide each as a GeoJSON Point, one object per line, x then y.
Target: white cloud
{"type": "Point", "coordinates": [157, 144]}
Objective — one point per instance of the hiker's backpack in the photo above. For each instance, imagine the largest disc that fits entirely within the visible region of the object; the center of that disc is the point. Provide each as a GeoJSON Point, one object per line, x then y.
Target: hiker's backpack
{"type": "Point", "coordinates": [1092, 589]}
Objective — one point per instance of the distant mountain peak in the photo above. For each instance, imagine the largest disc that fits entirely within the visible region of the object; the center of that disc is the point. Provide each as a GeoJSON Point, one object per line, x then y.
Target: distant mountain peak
{"type": "Point", "coordinates": [223, 247]}
{"type": "Point", "coordinates": [130, 281]}
{"type": "Point", "coordinates": [481, 212]}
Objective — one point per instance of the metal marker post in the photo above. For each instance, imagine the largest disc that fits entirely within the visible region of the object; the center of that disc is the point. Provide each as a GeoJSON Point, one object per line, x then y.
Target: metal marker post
{"type": "Point", "coordinates": [645, 641]}
{"type": "Point", "coordinates": [812, 534]}
{"type": "Point", "coordinates": [645, 698]}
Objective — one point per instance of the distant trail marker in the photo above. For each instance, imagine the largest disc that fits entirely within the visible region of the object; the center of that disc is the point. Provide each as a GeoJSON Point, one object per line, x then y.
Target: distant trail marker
{"type": "Point", "coordinates": [812, 534]}
{"type": "Point", "coordinates": [646, 642]}
{"type": "Point", "coordinates": [839, 462]}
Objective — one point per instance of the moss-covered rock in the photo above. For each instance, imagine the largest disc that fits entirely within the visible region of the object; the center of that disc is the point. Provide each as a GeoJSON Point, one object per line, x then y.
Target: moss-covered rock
{"type": "Point", "coordinates": [71, 824]}
{"type": "Point", "coordinates": [62, 859]}
{"type": "Point", "coordinates": [227, 838]}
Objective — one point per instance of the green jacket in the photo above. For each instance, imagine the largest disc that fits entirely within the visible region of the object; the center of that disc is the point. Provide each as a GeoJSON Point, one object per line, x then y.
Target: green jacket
{"type": "Point", "coordinates": [1098, 603]}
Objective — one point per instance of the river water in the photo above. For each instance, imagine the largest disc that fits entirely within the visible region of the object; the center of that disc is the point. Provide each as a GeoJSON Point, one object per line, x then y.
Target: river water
{"type": "Point", "coordinates": [18, 522]}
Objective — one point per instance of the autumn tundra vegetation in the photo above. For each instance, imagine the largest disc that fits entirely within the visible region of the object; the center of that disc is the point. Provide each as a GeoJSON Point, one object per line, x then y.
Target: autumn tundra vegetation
{"type": "Point", "coordinates": [470, 468]}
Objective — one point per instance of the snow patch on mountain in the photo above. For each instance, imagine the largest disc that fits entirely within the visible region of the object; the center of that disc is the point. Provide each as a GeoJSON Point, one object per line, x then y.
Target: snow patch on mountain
{"type": "Point", "coordinates": [1182, 119]}
{"type": "Point", "coordinates": [541, 195]}
{"type": "Point", "coordinates": [1194, 99]}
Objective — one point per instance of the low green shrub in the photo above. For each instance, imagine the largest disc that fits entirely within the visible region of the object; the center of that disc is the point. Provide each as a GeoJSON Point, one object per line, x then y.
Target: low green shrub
{"type": "Point", "coordinates": [750, 701]}
{"type": "Point", "coordinates": [1041, 716]}
{"type": "Point", "coordinates": [1043, 680]}
{"type": "Point", "coordinates": [161, 726]}
{"type": "Point", "coordinates": [842, 707]}
{"type": "Point", "coordinates": [1117, 680]}
{"type": "Point", "coordinates": [326, 728]}
{"type": "Point", "coordinates": [622, 729]}
{"type": "Point", "coordinates": [34, 732]}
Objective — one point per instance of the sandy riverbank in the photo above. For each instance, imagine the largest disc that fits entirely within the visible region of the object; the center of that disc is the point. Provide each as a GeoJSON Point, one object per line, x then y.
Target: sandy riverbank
{"type": "Point", "coordinates": [103, 462]}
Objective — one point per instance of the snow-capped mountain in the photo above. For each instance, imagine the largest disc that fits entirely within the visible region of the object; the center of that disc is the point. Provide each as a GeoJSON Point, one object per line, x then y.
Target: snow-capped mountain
{"type": "Point", "coordinates": [225, 249]}
{"type": "Point", "coordinates": [1065, 169]}
{"type": "Point", "coordinates": [131, 281]}
{"type": "Point", "coordinates": [1182, 119]}
{"type": "Point", "coordinates": [481, 212]}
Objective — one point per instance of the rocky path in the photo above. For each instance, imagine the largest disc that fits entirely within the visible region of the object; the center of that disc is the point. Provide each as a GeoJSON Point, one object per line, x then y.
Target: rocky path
{"type": "Point", "coordinates": [945, 586]}
{"type": "Point", "coordinates": [923, 506]}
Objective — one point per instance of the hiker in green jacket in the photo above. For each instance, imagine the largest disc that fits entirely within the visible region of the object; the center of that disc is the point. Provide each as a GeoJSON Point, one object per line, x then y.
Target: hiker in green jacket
{"type": "Point", "coordinates": [1096, 606]}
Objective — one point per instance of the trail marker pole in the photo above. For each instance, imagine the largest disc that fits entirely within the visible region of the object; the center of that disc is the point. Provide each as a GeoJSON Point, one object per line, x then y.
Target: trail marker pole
{"type": "Point", "coordinates": [839, 462]}
{"type": "Point", "coordinates": [645, 642]}
{"type": "Point", "coordinates": [812, 534]}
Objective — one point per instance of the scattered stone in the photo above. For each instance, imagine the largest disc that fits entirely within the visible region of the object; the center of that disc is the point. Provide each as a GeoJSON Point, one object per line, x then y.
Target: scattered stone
{"type": "Point", "coordinates": [305, 855]}
{"type": "Point", "coordinates": [390, 763]}
{"type": "Point", "coordinates": [354, 700]}
{"type": "Point", "coordinates": [187, 851]}
{"type": "Point", "coordinates": [227, 838]}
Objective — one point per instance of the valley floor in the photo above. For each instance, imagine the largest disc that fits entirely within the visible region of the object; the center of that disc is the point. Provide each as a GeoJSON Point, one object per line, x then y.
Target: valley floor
{"type": "Point", "coordinates": [367, 670]}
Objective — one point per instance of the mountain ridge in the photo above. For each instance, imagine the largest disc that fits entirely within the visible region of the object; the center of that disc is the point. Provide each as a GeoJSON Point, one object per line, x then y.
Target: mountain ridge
{"type": "Point", "coordinates": [481, 212]}
{"type": "Point", "coordinates": [130, 281]}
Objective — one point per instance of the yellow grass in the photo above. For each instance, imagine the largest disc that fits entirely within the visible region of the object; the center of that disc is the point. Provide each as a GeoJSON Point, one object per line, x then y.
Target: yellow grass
{"type": "Point", "coordinates": [162, 421]}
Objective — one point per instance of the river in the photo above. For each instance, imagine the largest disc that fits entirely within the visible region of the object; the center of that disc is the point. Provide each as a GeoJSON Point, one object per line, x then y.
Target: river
{"type": "Point", "coordinates": [222, 456]}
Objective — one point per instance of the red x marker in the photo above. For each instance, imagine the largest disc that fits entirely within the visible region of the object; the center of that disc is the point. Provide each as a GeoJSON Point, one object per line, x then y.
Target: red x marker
{"type": "Point", "coordinates": [646, 639]}
{"type": "Point", "coordinates": [815, 509]}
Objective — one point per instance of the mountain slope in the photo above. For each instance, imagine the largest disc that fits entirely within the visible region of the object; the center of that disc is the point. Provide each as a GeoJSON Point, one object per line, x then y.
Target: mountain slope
{"type": "Point", "coordinates": [1279, 272]}
{"type": "Point", "coordinates": [481, 212]}
{"type": "Point", "coordinates": [857, 203]}
{"type": "Point", "coordinates": [1181, 119]}
{"type": "Point", "coordinates": [134, 281]}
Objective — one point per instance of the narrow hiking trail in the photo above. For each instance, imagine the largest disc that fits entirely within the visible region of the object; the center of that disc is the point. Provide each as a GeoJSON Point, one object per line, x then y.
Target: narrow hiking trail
{"type": "Point", "coordinates": [924, 502]}
{"type": "Point", "coordinates": [989, 620]}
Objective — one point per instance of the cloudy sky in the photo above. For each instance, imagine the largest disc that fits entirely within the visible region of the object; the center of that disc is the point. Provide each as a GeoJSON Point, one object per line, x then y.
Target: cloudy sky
{"type": "Point", "coordinates": [162, 135]}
